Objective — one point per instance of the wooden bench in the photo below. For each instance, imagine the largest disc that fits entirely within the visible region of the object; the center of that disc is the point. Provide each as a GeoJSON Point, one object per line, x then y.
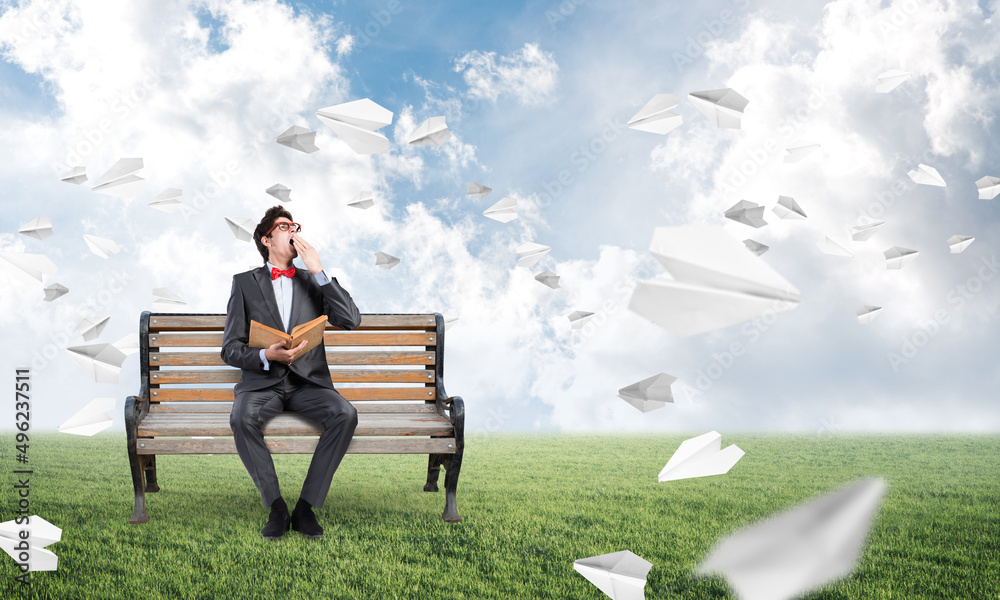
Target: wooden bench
{"type": "Point", "coordinates": [390, 368]}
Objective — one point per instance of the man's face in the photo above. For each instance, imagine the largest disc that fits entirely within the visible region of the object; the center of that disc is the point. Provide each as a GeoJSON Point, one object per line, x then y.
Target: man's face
{"type": "Point", "coordinates": [280, 245]}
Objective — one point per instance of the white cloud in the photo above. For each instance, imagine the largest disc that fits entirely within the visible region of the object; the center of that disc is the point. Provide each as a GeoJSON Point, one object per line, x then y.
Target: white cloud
{"type": "Point", "coordinates": [529, 74]}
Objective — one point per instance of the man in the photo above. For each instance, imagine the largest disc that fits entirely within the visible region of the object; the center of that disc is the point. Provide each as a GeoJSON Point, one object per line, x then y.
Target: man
{"type": "Point", "coordinates": [279, 295]}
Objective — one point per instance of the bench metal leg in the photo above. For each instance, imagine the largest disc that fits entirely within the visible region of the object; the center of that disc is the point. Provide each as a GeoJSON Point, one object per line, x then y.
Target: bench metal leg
{"type": "Point", "coordinates": [149, 466]}
{"type": "Point", "coordinates": [453, 464]}
{"type": "Point", "coordinates": [136, 462]}
{"type": "Point", "coordinates": [433, 470]}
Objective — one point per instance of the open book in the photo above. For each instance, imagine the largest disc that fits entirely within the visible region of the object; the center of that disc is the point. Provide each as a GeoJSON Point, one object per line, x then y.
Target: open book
{"type": "Point", "coordinates": [262, 336]}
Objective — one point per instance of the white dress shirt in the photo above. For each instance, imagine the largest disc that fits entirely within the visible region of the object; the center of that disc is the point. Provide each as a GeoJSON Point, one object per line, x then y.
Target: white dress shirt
{"type": "Point", "coordinates": [283, 295]}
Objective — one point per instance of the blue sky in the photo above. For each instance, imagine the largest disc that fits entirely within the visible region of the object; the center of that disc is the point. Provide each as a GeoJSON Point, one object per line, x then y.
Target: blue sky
{"type": "Point", "coordinates": [534, 93]}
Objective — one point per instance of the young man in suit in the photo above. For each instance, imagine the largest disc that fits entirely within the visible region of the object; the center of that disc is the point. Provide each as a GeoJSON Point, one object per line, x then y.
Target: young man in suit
{"type": "Point", "coordinates": [281, 296]}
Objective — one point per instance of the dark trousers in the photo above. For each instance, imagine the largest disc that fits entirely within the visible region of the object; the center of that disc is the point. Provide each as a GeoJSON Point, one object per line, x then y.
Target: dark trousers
{"type": "Point", "coordinates": [253, 409]}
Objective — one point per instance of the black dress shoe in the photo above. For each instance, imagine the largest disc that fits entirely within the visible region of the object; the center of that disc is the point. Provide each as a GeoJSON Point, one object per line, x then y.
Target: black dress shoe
{"type": "Point", "coordinates": [277, 524]}
{"type": "Point", "coordinates": [304, 521]}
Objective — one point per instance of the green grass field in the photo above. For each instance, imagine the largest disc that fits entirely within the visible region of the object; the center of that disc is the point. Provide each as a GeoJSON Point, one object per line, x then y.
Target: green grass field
{"type": "Point", "coordinates": [531, 504]}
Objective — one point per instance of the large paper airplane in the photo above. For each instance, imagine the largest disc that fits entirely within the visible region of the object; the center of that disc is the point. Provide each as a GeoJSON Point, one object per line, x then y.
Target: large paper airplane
{"type": "Point", "coordinates": [35, 265]}
{"type": "Point", "coordinates": [94, 417]}
{"type": "Point", "coordinates": [958, 243]}
{"type": "Point", "coordinates": [988, 187]}
{"type": "Point", "coordinates": [41, 533]}
{"type": "Point", "coordinates": [724, 107]}
{"type": "Point", "coordinates": [356, 123]}
{"type": "Point", "coordinates": [748, 213]}
{"type": "Point", "coordinates": [102, 362]}
{"type": "Point", "coordinates": [478, 190]}
{"type": "Point", "coordinates": [76, 175]}
{"type": "Point", "coordinates": [716, 282]}
{"type": "Point", "coordinates": [167, 201]}
{"type": "Point", "coordinates": [925, 175]}
{"type": "Point", "coordinates": [805, 548]}
{"type": "Point", "coordinates": [298, 138]}
{"type": "Point", "coordinates": [650, 393]}
{"type": "Point", "coordinates": [38, 228]}
{"type": "Point", "coordinates": [620, 575]}
{"type": "Point", "coordinates": [657, 115]}
{"type": "Point", "coordinates": [889, 80]}
{"type": "Point", "coordinates": [102, 247]}
{"type": "Point", "coordinates": [121, 179]}
{"type": "Point", "coordinates": [530, 253]}
{"type": "Point", "coordinates": [701, 456]}
{"type": "Point", "coordinates": [432, 132]}
{"type": "Point", "coordinates": [504, 211]}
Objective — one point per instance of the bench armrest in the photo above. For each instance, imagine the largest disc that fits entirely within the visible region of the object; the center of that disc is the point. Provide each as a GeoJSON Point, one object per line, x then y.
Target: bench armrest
{"type": "Point", "coordinates": [137, 407]}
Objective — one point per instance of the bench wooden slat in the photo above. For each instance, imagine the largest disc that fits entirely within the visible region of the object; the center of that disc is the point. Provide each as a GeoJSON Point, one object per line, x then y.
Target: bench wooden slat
{"type": "Point", "coordinates": [182, 322]}
{"type": "Point", "coordinates": [355, 357]}
{"type": "Point", "coordinates": [232, 375]}
{"type": "Point", "coordinates": [293, 424]}
{"type": "Point", "coordinates": [349, 393]}
{"type": "Point", "coordinates": [330, 338]}
{"type": "Point", "coordinates": [300, 446]}
{"type": "Point", "coordinates": [174, 408]}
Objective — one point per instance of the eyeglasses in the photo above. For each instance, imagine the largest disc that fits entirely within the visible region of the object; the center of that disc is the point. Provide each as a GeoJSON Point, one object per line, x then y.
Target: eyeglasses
{"type": "Point", "coordinates": [284, 226]}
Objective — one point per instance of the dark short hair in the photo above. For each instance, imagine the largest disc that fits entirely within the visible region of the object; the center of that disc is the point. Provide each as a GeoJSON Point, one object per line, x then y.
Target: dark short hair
{"type": "Point", "coordinates": [266, 223]}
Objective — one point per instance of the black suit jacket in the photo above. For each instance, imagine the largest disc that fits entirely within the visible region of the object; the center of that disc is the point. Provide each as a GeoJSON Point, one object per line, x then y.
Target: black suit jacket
{"type": "Point", "coordinates": [253, 298]}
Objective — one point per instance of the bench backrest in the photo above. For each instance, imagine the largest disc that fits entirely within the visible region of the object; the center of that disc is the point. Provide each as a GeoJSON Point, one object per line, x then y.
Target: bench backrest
{"type": "Point", "coordinates": [396, 357]}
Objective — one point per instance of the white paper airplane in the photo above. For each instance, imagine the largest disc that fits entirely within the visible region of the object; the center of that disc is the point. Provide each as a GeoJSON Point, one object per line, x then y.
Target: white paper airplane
{"type": "Point", "coordinates": [650, 393]}
{"type": "Point", "coordinates": [748, 213]}
{"type": "Point", "coordinates": [478, 190]}
{"type": "Point", "coordinates": [958, 243]}
{"type": "Point", "coordinates": [93, 418]}
{"type": "Point", "coordinates": [864, 231]}
{"type": "Point", "coordinates": [620, 575]}
{"type": "Point", "coordinates": [75, 175]}
{"type": "Point", "coordinates": [657, 115]}
{"type": "Point", "coordinates": [432, 132]}
{"type": "Point", "coordinates": [167, 201]}
{"type": "Point", "coordinates": [530, 253]}
{"type": "Point", "coordinates": [356, 123]}
{"type": "Point", "coordinates": [549, 278]}
{"type": "Point", "coordinates": [889, 80]}
{"type": "Point", "coordinates": [925, 175]}
{"type": "Point", "coordinates": [281, 192]}
{"type": "Point", "coordinates": [34, 265]}
{"type": "Point", "coordinates": [448, 322]}
{"type": "Point", "coordinates": [988, 187]}
{"type": "Point", "coordinates": [701, 456]}
{"type": "Point", "coordinates": [867, 313]}
{"type": "Point", "coordinates": [128, 343]}
{"type": "Point", "coordinates": [363, 201]}
{"type": "Point", "coordinates": [386, 261]}
{"type": "Point", "coordinates": [724, 107]}
{"type": "Point", "coordinates": [298, 138]}
{"type": "Point", "coordinates": [579, 318]}
{"type": "Point", "coordinates": [805, 548]}
{"type": "Point", "coordinates": [54, 291]}
{"type": "Point", "coordinates": [102, 247]}
{"type": "Point", "coordinates": [756, 247]}
{"type": "Point", "coordinates": [242, 227]}
{"type": "Point", "coordinates": [897, 256]}
{"type": "Point", "coordinates": [91, 329]}
{"type": "Point", "coordinates": [788, 208]}
{"type": "Point", "coordinates": [504, 211]}
{"type": "Point", "coordinates": [797, 153]}
{"type": "Point", "coordinates": [716, 282]}
{"type": "Point", "coordinates": [121, 179]}
{"type": "Point", "coordinates": [165, 296]}
{"type": "Point", "coordinates": [102, 362]}
{"type": "Point", "coordinates": [835, 247]}
{"type": "Point", "coordinates": [38, 228]}
{"type": "Point", "coordinates": [41, 533]}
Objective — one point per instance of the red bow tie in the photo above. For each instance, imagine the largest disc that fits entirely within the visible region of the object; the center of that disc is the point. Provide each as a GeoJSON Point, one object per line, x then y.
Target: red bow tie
{"type": "Point", "coordinates": [276, 272]}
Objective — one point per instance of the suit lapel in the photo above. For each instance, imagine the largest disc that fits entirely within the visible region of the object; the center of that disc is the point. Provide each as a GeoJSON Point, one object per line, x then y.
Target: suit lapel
{"type": "Point", "coordinates": [267, 291]}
